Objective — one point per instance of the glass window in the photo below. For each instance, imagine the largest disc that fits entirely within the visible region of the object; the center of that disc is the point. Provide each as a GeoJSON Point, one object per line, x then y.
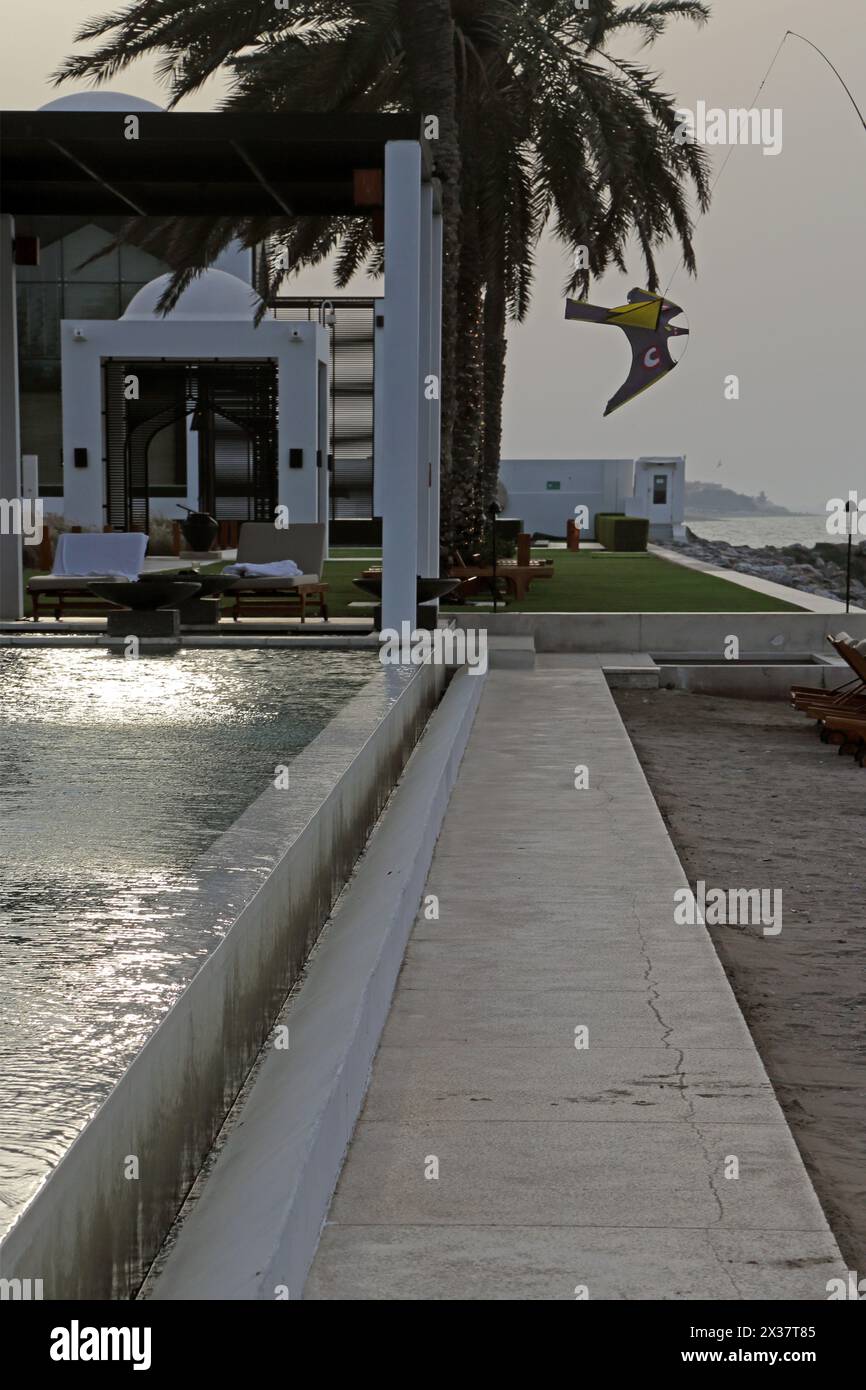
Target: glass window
{"type": "Point", "coordinates": [80, 246]}
{"type": "Point", "coordinates": [136, 264]}
{"type": "Point", "coordinates": [40, 374]}
{"type": "Point", "coordinates": [660, 489]}
{"type": "Point", "coordinates": [42, 433]}
{"type": "Point", "coordinates": [38, 320]}
{"type": "Point", "coordinates": [82, 301]}
{"type": "Point", "coordinates": [128, 290]}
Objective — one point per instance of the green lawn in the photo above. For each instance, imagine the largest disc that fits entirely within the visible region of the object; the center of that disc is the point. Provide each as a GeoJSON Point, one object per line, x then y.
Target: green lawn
{"type": "Point", "coordinates": [590, 581]}
{"type": "Point", "coordinates": [599, 581]}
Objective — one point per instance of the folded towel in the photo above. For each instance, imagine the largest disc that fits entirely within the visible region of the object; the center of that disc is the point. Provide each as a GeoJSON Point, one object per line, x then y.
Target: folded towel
{"type": "Point", "coordinates": [88, 553]}
{"type": "Point", "coordinates": [279, 569]}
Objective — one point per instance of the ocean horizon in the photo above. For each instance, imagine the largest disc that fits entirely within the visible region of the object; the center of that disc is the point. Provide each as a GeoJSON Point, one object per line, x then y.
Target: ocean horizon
{"type": "Point", "coordinates": [758, 531]}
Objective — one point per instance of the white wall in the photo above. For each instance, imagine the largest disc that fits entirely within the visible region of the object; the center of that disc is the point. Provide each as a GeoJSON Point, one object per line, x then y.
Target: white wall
{"type": "Point", "coordinates": [666, 519]}
{"type": "Point", "coordinates": [298, 348]}
{"type": "Point", "coordinates": [601, 485]}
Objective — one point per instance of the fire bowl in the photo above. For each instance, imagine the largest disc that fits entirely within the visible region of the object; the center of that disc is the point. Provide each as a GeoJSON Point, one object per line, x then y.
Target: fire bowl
{"type": "Point", "coordinates": [426, 588]}
{"type": "Point", "coordinates": [145, 596]}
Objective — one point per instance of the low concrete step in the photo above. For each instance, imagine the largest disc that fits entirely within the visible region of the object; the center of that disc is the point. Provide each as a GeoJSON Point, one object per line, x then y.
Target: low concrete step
{"type": "Point", "coordinates": [511, 653]}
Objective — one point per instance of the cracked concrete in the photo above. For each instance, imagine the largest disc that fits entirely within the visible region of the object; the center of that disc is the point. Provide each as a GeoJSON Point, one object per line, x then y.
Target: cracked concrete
{"type": "Point", "coordinates": [606, 1166]}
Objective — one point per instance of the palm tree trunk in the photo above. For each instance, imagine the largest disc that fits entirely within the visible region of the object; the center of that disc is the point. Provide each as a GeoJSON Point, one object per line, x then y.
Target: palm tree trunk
{"type": "Point", "coordinates": [427, 34]}
{"type": "Point", "coordinates": [466, 510]}
{"type": "Point", "coordinates": [494, 377]}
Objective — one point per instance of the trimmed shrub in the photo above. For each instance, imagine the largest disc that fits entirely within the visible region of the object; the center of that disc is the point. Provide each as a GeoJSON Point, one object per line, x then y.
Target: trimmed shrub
{"type": "Point", "coordinates": [624, 532]}
{"type": "Point", "coordinates": [600, 519]}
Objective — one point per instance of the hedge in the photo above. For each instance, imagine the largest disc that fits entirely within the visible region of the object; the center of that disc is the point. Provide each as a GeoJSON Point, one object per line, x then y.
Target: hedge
{"type": "Point", "coordinates": [599, 517]}
{"type": "Point", "coordinates": [622, 532]}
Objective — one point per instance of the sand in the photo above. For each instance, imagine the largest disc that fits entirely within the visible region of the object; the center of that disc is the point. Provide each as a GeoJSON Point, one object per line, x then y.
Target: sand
{"type": "Point", "coordinates": [752, 798]}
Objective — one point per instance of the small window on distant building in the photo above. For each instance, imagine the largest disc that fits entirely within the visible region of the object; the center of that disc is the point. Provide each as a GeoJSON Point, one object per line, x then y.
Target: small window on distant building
{"type": "Point", "coordinates": [660, 489]}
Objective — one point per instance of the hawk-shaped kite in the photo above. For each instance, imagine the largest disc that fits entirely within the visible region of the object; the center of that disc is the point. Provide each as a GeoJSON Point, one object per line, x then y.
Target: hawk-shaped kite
{"type": "Point", "coordinates": [645, 320]}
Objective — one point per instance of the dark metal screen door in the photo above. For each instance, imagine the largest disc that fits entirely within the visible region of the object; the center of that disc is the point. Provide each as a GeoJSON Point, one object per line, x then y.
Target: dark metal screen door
{"type": "Point", "coordinates": [237, 459]}
{"type": "Point", "coordinates": [234, 409]}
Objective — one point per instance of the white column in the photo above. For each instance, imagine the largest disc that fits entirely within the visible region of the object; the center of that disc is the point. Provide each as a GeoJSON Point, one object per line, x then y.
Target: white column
{"type": "Point", "coordinates": [380, 396]}
{"type": "Point", "coordinates": [81, 401]}
{"type": "Point", "coordinates": [402, 365]}
{"type": "Point", "coordinates": [323, 403]}
{"type": "Point", "coordinates": [435, 406]}
{"type": "Point", "coordinates": [425, 405]}
{"type": "Point", "coordinates": [298, 427]}
{"type": "Point", "coordinates": [11, 563]}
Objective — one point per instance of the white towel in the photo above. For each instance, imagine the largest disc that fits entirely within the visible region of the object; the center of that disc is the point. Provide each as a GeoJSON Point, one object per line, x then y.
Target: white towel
{"type": "Point", "coordinates": [114, 553]}
{"type": "Point", "coordinates": [278, 569]}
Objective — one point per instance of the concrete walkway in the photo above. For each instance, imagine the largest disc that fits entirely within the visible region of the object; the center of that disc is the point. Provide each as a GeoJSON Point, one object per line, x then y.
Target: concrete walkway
{"type": "Point", "coordinates": [566, 1172]}
{"type": "Point", "coordinates": [812, 603]}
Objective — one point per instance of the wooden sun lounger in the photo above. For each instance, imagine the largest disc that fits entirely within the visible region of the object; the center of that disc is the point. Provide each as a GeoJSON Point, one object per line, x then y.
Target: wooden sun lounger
{"type": "Point", "coordinates": [260, 542]}
{"type": "Point", "coordinates": [851, 694]}
{"type": "Point", "coordinates": [63, 595]}
{"type": "Point", "coordinates": [849, 731]}
{"type": "Point", "coordinates": [517, 577]}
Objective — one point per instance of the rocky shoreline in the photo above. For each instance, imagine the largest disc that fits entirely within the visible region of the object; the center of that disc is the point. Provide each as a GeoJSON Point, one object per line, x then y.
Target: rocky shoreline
{"type": "Point", "coordinates": [818, 569]}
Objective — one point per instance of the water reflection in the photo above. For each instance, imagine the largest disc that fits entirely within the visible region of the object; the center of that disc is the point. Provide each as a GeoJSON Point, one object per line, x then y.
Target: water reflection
{"type": "Point", "coordinates": [114, 776]}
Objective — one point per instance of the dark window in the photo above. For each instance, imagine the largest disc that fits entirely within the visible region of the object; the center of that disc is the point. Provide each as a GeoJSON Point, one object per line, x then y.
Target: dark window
{"type": "Point", "coordinates": [660, 489]}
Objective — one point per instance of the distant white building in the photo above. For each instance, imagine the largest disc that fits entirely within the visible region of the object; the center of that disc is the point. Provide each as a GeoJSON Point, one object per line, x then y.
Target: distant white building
{"type": "Point", "coordinates": [546, 492]}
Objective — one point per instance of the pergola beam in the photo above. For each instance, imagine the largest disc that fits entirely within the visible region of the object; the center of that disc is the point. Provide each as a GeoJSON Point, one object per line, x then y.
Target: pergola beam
{"type": "Point", "coordinates": [260, 178]}
{"type": "Point", "coordinates": [98, 179]}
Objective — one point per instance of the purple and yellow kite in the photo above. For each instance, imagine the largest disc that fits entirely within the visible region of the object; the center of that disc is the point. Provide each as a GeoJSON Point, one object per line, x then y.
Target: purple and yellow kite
{"type": "Point", "coordinates": [645, 320]}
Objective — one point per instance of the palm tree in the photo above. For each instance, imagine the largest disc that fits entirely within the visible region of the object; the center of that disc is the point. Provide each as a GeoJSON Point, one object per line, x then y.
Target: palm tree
{"type": "Point", "coordinates": [539, 122]}
{"type": "Point", "coordinates": [559, 129]}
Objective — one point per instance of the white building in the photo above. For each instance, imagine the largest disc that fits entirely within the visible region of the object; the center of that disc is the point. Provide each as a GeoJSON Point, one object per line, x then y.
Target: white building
{"type": "Point", "coordinates": [236, 409]}
{"type": "Point", "coordinates": [545, 493]}
{"type": "Point", "coordinates": [208, 407]}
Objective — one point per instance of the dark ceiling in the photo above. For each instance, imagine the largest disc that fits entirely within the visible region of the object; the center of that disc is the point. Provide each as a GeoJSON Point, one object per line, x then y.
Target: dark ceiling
{"type": "Point", "coordinates": [80, 164]}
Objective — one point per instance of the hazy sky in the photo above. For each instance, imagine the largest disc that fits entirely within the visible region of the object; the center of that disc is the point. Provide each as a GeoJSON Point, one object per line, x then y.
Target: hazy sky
{"type": "Point", "coordinates": [780, 298]}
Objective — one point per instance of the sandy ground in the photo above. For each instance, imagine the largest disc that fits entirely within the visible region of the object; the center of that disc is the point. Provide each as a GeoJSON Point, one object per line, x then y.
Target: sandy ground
{"type": "Point", "coordinates": [752, 798]}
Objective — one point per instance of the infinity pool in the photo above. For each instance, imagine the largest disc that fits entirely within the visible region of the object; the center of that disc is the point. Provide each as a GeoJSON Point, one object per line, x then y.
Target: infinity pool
{"type": "Point", "coordinates": [114, 776]}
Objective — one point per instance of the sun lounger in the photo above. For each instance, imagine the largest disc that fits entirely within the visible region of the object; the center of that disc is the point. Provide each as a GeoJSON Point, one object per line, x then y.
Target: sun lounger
{"type": "Point", "coordinates": [854, 653]}
{"type": "Point", "coordinates": [262, 543]}
{"type": "Point", "coordinates": [850, 695]}
{"type": "Point", "coordinates": [849, 731]}
{"type": "Point", "coordinates": [80, 559]}
{"type": "Point", "coordinates": [516, 577]}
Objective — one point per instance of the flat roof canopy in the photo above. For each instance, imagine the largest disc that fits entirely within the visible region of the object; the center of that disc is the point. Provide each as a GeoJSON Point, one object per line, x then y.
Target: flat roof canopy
{"type": "Point", "coordinates": [197, 164]}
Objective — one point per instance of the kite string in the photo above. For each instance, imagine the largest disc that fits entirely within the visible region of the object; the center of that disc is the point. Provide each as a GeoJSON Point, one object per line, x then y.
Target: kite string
{"type": "Point", "coordinates": [789, 33]}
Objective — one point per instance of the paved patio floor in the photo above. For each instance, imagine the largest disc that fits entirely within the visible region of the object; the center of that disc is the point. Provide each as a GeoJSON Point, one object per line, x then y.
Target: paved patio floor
{"type": "Point", "coordinates": [494, 1158]}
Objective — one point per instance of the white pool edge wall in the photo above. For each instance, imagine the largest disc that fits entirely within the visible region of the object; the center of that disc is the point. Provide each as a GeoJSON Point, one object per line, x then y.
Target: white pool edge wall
{"type": "Point", "coordinates": [252, 1225]}
{"type": "Point", "coordinates": [682, 633]}
{"type": "Point", "coordinates": [96, 1223]}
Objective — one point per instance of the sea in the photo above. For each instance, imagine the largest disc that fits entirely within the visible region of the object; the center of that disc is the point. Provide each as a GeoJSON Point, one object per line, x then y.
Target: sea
{"type": "Point", "coordinates": [759, 531]}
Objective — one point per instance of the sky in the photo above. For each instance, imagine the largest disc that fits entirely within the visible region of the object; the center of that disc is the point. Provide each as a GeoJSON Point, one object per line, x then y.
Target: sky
{"type": "Point", "coordinates": [780, 296]}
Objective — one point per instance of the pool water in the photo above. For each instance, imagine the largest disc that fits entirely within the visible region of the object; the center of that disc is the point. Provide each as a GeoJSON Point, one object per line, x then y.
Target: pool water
{"type": "Point", "coordinates": [114, 776]}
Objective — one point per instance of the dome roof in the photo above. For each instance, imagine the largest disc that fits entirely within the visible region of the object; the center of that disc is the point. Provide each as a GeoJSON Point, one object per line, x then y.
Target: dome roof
{"type": "Point", "coordinates": [100, 101]}
{"type": "Point", "coordinates": [213, 295]}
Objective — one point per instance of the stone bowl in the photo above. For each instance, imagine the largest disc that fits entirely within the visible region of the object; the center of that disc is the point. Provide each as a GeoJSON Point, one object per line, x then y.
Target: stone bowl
{"type": "Point", "coordinates": [426, 588]}
{"type": "Point", "coordinates": [210, 585]}
{"type": "Point", "coordinates": [145, 596]}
